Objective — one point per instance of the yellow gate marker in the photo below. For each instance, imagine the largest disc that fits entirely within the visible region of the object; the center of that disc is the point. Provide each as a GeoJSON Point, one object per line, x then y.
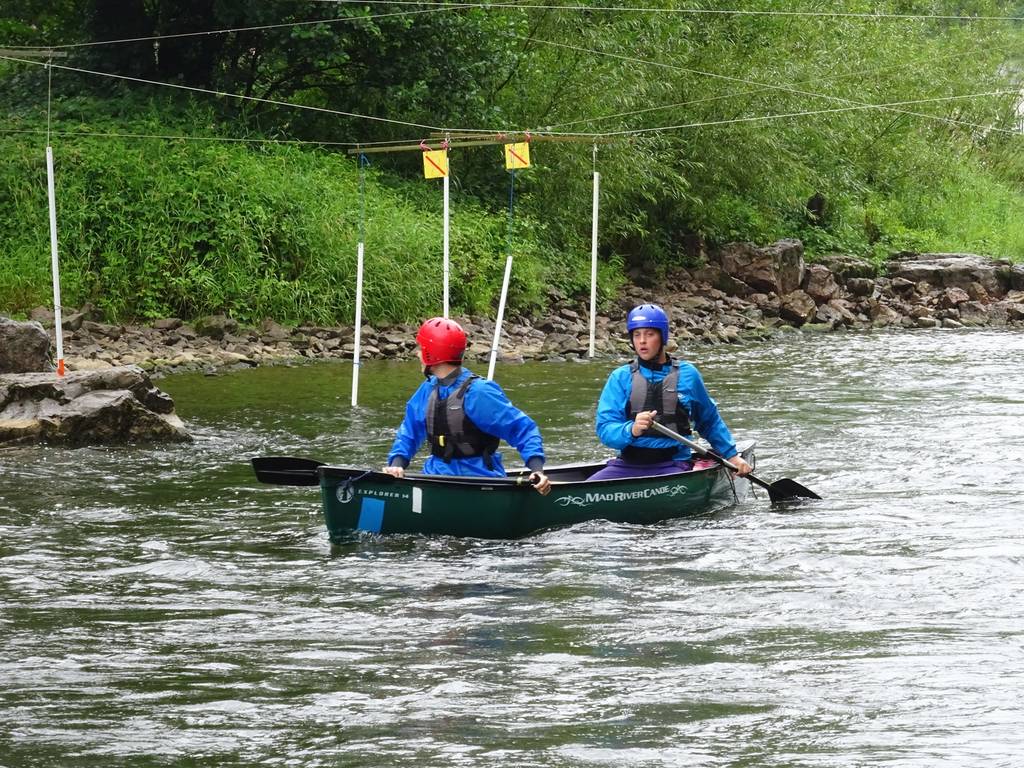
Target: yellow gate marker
{"type": "Point", "coordinates": [435, 163]}
{"type": "Point", "coordinates": [517, 156]}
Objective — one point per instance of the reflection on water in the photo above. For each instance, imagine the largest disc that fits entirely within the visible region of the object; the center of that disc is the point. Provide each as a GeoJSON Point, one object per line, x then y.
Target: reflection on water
{"type": "Point", "coordinates": [157, 606]}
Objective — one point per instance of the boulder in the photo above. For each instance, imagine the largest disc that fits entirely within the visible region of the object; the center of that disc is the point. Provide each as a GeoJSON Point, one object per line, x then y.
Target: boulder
{"type": "Point", "coordinates": [109, 406]}
{"type": "Point", "coordinates": [215, 326]}
{"type": "Point", "coordinates": [797, 307]}
{"type": "Point", "coordinates": [860, 286]}
{"type": "Point", "coordinates": [845, 267]}
{"type": "Point", "coordinates": [777, 268]}
{"type": "Point", "coordinates": [820, 284]}
{"type": "Point", "coordinates": [24, 347]}
{"type": "Point", "coordinates": [957, 270]}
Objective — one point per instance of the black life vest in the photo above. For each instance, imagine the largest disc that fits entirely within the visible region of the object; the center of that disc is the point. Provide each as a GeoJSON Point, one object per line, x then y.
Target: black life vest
{"type": "Point", "coordinates": [452, 434]}
{"type": "Point", "coordinates": [663, 397]}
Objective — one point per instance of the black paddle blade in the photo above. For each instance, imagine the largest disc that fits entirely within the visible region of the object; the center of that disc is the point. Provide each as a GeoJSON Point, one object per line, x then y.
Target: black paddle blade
{"type": "Point", "coordinates": [786, 489]}
{"type": "Point", "coordinates": [286, 470]}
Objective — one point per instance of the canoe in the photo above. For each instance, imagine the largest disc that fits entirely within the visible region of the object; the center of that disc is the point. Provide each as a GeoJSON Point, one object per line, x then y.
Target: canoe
{"type": "Point", "coordinates": [359, 499]}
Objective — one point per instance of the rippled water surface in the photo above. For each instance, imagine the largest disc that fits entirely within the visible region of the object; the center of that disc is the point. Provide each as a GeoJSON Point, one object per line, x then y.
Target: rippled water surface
{"type": "Point", "coordinates": [158, 607]}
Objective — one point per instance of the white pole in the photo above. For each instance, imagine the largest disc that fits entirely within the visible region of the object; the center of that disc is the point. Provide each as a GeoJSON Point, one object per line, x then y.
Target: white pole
{"type": "Point", "coordinates": [53, 260]}
{"type": "Point", "coordinates": [446, 228]}
{"type": "Point", "coordinates": [501, 314]}
{"type": "Point", "coordinates": [359, 323]}
{"type": "Point", "coordinates": [593, 263]}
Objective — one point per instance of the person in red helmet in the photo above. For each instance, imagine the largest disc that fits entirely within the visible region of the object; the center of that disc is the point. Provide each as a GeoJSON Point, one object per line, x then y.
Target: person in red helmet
{"type": "Point", "coordinates": [462, 416]}
{"type": "Point", "coordinates": [656, 387]}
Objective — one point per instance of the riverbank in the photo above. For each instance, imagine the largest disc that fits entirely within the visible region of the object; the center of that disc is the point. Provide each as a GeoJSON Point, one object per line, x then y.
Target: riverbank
{"type": "Point", "coordinates": [744, 293]}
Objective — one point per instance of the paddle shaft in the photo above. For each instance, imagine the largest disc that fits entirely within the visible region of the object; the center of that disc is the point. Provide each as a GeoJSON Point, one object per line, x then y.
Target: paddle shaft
{"type": "Point", "coordinates": [705, 452]}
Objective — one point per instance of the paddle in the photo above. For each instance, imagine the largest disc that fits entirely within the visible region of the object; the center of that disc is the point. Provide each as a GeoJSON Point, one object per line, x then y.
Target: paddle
{"type": "Point", "coordinates": [286, 470]}
{"type": "Point", "coordinates": [291, 470]}
{"type": "Point", "coordinates": [780, 490]}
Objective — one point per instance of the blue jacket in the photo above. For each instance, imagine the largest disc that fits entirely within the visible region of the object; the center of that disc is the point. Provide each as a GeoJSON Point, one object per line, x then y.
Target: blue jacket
{"type": "Point", "coordinates": [614, 427]}
{"type": "Point", "coordinates": [489, 408]}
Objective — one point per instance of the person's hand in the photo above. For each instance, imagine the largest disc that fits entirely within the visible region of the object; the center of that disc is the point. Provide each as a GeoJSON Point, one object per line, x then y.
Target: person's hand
{"type": "Point", "coordinates": [395, 471]}
{"type": "Point", "coordinates": [643, 422]}
{"type": "Point", "coordinates": [742, 468]}
{"type": "Point", "coordinates": [541, 484]}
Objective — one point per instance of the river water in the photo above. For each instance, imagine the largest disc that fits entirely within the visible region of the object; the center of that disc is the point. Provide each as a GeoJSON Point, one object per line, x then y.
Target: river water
{"type": "Point", "coordinates": [159, 607]}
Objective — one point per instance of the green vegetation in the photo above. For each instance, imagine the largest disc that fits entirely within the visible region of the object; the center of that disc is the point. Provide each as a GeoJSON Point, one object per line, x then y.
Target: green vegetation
{"type": "Point", "coordinates": [715, 126]}
{"type": "Point", "coordinates": [162, 228]}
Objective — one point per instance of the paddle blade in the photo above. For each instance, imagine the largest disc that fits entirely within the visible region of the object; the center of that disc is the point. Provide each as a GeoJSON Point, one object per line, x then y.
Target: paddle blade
{"type": "Point", "coordinates": [286, 470]}
{"type": "Point", "coordinates": [786, 489]}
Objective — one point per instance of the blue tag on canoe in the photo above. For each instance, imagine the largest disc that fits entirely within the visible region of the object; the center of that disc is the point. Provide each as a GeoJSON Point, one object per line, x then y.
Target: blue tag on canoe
{"type": "Point", "coordinates": [371, 515]}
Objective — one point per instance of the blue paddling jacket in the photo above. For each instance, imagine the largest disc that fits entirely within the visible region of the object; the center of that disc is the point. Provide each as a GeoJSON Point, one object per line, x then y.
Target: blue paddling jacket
{"type": "Point", "coordinates": [487, 406]}
{"type": "Point", "coordinates": [615, 427]}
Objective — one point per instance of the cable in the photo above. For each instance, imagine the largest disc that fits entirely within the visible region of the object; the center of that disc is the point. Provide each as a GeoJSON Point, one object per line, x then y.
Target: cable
{"type": "Point", "coordinates": [730, 78]}
{"type": "Point", "coordinates": [274, 102]}
{"type": "Point", "coordinates": [157, 38]}
{"type": "Point", "coordinates": [694, 11]}
{"type": "Point", "coordinates": [754, 91]}
{"type": "Point", "coordinates": [853, 108]}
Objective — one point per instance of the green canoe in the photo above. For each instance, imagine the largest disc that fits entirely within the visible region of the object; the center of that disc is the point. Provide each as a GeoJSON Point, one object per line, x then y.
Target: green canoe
{"type": "Point", "coordinates": [357, 499]}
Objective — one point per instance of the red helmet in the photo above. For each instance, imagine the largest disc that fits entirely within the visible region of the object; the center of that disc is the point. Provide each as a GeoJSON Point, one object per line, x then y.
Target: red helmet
{"type": "Point", "coordinates": [441, 341]}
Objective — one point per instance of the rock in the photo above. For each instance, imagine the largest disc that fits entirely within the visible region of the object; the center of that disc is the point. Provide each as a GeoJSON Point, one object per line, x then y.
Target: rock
{"type": "Point", "coordinates": [860, 286]}
{"type": "Point", "coordinates": [952, 297]}
{"type": "Point", "coordinates": [562, 343]}
{"type": "Point", "coordinates": [42, 315]}
{"type": "Point", "coordinates": [215, 326]}
{"type": "Point", "coordinates": [719, 279]}
{"type": "Point", "coordinates": [112, 332]}
{"type": "Point", "coordinates": [797, 307]}
{"type": "Point", "coordinates": [820, 284]}
{"type": "Point", "coordinates": [167, 324]}
{"type": "Point", "coordinates": [957, 270]}
{"type": "Point", "coordinates": [882, 314]}
{"type": "Point", "coordinates": [73, 321]}
{"type": "Point", "coordinates": [845, 267]}
{"type": "Point", "coordinates": [978, 293]}
{"type": "Point", "coordinates": [778, 268]}
{"type": "Point", "coordinates": [116, 405]}
{"type": "Point", "coordinates": [24, 347]}
{"type": "Point", "coordinates": [828, 315]}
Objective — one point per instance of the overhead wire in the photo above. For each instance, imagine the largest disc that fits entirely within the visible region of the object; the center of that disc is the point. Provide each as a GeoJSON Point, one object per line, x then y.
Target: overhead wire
{"type": "Point", "coordinates": [434, 7]}
{"type": "Point", "coordinates": [730, 78]}
{"type": "Point", "coordinates": [227, 94]}
{"type": "Point", "coordinates": [752, 91]}
{"type": "Point", "coordinates": [229, 30]}
{"type": "Point", "coordinates": [695, 11]}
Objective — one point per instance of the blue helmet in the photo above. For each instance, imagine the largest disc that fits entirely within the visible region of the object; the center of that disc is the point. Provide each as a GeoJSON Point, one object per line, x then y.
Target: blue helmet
{"type": "Point", "coordinates": [648, 316]}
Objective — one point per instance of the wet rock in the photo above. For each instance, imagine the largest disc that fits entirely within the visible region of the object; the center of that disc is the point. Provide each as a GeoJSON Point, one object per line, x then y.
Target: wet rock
{"type": "Point", "coordinates": [24, 347]}
{"type": "Point", "coordinates": [115, 405]}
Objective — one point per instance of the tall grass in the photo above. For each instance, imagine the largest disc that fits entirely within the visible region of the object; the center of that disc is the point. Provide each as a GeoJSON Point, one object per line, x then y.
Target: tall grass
{"type": "Point", "coordinates": [154, 228]}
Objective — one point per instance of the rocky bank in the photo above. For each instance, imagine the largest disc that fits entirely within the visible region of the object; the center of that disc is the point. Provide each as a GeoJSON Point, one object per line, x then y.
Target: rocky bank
{"type": "Point", "coordinates": [743, 292]}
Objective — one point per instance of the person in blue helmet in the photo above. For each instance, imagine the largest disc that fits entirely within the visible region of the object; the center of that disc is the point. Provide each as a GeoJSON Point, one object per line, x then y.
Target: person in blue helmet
{"type": "Point", "coordinates": [656, 387]}
{"type": "Point", "coordinates": [462, 416]}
